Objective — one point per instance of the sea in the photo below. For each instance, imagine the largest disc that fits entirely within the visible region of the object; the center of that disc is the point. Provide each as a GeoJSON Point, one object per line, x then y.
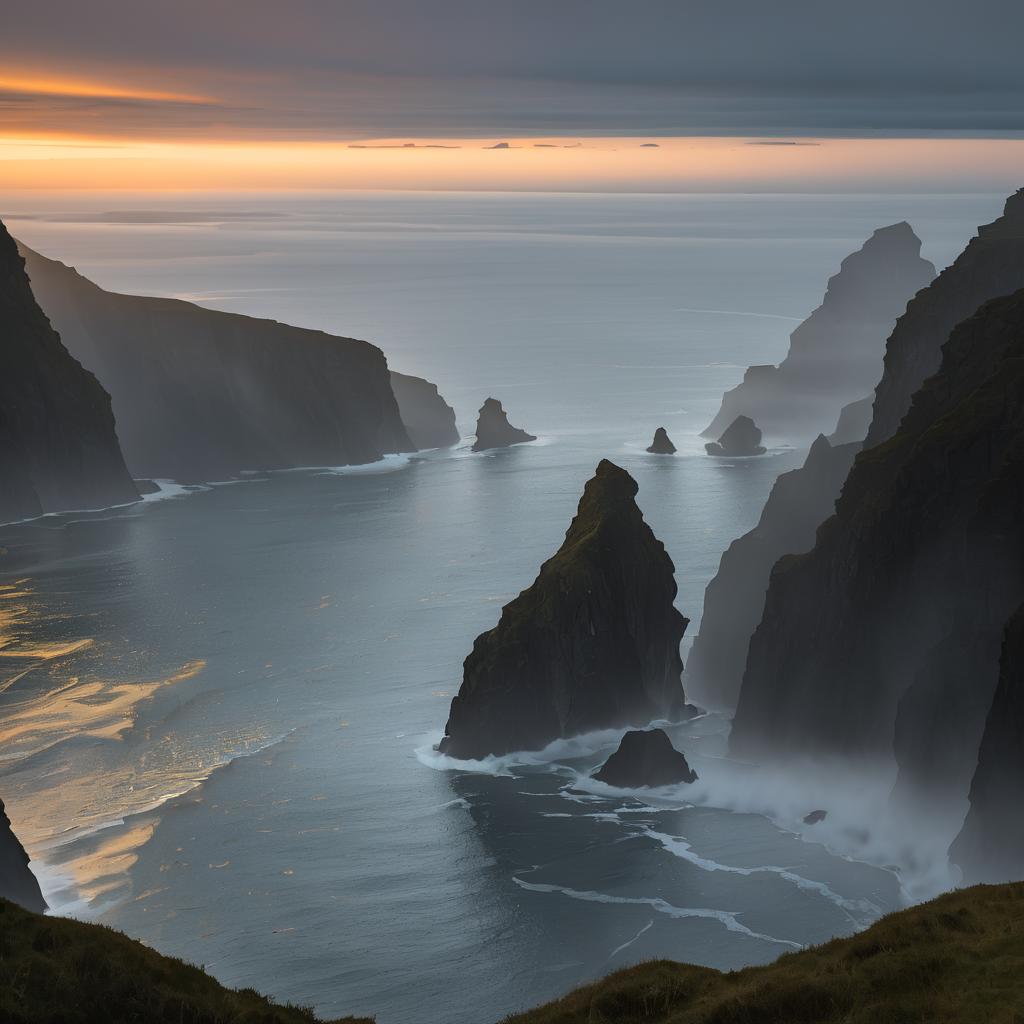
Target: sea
{"type": "Point", "coordinates": [218, 706]}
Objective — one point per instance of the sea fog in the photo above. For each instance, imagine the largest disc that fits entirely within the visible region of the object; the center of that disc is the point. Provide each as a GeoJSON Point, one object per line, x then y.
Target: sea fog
{"type": "Point", "coordinates": [217, 707]}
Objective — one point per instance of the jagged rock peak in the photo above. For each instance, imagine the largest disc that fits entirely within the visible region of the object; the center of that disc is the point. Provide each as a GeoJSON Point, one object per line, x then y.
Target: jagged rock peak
{"type": "Point", "coordinates": [742, 437]}
{"type": "Point", "coordinates": [17, 883]}
{"type": "Point", "coordinates": [493, 429]}
{"type": "Point", "coordinates": [645, 757]}
{"type": "Point", "coordinates": [593, 643]}
{"type": "Point", "coordinates": [662, 443]}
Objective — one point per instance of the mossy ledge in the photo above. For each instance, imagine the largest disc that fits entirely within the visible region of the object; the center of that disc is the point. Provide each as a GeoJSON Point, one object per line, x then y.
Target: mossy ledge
{"type": "Point", "coordinates": [53, 970]}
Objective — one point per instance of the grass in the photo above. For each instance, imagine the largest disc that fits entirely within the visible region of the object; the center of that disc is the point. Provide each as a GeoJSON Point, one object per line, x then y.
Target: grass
{"type": "Point", "coordinates": [956, 960]}
{"type": "Point", "coordinates": [59, 971]}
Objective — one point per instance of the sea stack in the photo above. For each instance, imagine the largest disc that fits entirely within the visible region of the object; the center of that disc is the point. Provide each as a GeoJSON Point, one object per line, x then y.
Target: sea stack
{"type": "Point", "coordinates": [593, 643]}
{"type": "Point", "coordinates": [17, 883]}
{"type": "Point", "coordinates": [493, 429]}
{"type": "Point", "coordinates": [742, 437]}
{"type": "Point", "coordinates": [662, 444]}
{"type": "Point", "coordinates": [645, 757]}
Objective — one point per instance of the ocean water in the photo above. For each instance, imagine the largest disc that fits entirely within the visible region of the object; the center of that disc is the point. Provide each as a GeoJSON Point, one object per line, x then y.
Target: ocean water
{"type": "Point", "coordinates": [217, 707]}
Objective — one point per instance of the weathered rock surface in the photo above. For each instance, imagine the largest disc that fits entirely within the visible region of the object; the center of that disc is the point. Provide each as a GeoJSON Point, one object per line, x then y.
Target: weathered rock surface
{"type": "Point", "coordinates": [662, 444]}
{"type": "Point", "coordinates": [202, 395]}
{"type": "Point", "coordinates": [428, 418]}
{"type": "Point", "coordinates": [593, 643]}
{"type": "Point", "coordinates": [743, 437]}
{"type": "Point", "coordinates": [799, 502]}
{"type": "Point", "coordinates": [835, 354]}
{"type": "Point", "coordinates": [493, 429]}
{"type": "Point", "coordinates": [645, 758]}
{"type": "Point", "coordinates": [990, 846]}
{"type": "Point", "coordinates": [17, 883]}
{"type": "Point", "coordinates": [58, 446]}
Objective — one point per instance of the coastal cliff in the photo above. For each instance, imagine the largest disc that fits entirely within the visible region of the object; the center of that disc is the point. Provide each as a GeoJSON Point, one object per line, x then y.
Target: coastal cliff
{"type": "Point", "coordinates": [834, 355]}
{"type": "Point", "coordinates": [202, 395]}
{"type": "Point", "coordinates": [17, 883]}
{"type": "Point", "coordinates": [593, 643]}
{"type": "Point", "coordinates": [58, 446]}
{"type": "Point", "coordinates": [428, 418]}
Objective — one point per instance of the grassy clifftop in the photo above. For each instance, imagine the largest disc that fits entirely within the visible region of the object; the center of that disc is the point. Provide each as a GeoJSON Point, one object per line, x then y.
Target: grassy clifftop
{"type": "Point", "coordinates": [56, 970]}
{"type": "Point", "coordinates": [956, 960]}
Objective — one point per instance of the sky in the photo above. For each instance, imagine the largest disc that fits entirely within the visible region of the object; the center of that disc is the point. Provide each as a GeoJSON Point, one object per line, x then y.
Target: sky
{"type": "Point", "coordinates": [648, 95]}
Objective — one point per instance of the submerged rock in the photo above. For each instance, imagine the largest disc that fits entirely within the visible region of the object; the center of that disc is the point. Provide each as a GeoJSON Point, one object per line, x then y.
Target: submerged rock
{"type": "Point", "coordinates": [17, 883]}
{"type": "Point", "coordinates": [741, 438]}
{"type": "Point", "coordinates": [493, 429]}
{"type": "Point", "coordinates": [645, 757]}
{"type": "Point", "coordinates": [662, 445]}
{"type": "Point", "coordinates": [593, 643]}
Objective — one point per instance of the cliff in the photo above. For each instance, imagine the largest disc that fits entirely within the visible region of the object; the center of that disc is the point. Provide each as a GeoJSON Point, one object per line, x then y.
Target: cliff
{"type": "Point", "coordinates": [990, 846]}
{"type": "Point", "coordinates": [17, 883]}
{"type": "Point", "coordinates": [201, 395]}
{"type": "Point", "coordinates": [493, 429]}
{"type": "Point", "coordinates": [645, 758]}
{"type": "Point", "coordinates": [593, 643]}
{"type": "Point", "coordinates": [884, 639]}
{"type": "Point", "coordinates": [58, 446]}
{"type": "Point", "coordinates": [834, 355]}
{"type": "Point", "coordinates": [734, 599]}
{"type": "Point", "coordinates": [428, 418]}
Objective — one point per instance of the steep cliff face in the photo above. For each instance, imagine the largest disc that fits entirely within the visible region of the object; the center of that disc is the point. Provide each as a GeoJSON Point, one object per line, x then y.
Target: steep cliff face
{"type": "Point", "coordinates": [990, 266]}
{"type": "Point", "coordinates": [17, 883]}
{"type": "Point", "coordinates": [201, 395]}
{"type": "Point", "coordinates": [834, 355]}
{"type": "Point", "coordinates": [592, 644]}
{"type": "Point", "coordinates": [990, 846]}
{"type": "Point", "coordinates": [884, 638]}
{"type": "Point", "coordinates": [428, 418]}
{"type": "Point", "coordinates": [493, 429]}
{"type": "Point", "coordinates": [58, 447]}
{"type": "Point", "coordinates": [645, 757]}
{"type": "Point", "coordinates": [799, 502]}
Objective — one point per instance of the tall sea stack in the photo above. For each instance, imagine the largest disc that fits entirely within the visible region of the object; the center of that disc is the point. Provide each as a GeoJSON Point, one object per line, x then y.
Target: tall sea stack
{"type": "Point", "coordinates": [834, 355]}
{"type": "Point", "coordinates": [493, 429]}
{"type": "Point", "coordinates": [58, 446]}
{"type": "Point", "coordinates": [592, 644]}
{"type": "Point", "coordinates": [17, 883]}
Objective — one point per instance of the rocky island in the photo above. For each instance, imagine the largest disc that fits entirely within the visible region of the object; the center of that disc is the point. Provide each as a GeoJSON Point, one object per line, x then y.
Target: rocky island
{"type": "Point", "coordinates": [645, 757]}
{"type": "Point", "coordinates": [741, 438]}
{"type": "Point", "coordinates": [593, 643]}
{"type": "Point", "coordinates": [662, 444]}
{"type": "Point", "coordinates": [493, 429]}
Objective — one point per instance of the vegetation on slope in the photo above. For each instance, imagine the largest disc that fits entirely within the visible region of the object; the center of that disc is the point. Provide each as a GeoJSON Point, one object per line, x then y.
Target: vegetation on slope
{"type": "Point", "coordinates": [56, 970]}
{"type": "Point", "coordinates": [956, 960]}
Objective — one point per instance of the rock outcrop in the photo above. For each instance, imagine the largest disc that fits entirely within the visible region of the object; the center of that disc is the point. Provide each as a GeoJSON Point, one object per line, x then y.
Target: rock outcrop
{"type": "Point", "coordinates": [17, 883]}
{"type": "Point", "coordinates": [662, 443]}
{"type": "Point", "coordinates": [799, 502]}
{"type": "Point", "coordinates": [202, 395]}
{"type": "Point", "coordinates": [742, 437]}
{"type": "Point", "coordinates": [645, 757]}
{"type": "Point", "coordinates": [493, 429]}
{"type": "Point", "coordinates": [58, 446]}
{"type": "Point", "coordinates": [990, 846]}
{"type": "Point", "coordinates": [835, 354]}
{"type": "Point", "coordinates": [428, 418]}
{"type": "Point", "coordinates": [593, 643]}
{"type": "Point", "coordinates": [884, 639]}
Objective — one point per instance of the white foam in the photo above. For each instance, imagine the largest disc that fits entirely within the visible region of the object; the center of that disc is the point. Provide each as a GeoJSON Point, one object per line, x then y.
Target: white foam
{"type": "Point", "coordinates": [618, 949]}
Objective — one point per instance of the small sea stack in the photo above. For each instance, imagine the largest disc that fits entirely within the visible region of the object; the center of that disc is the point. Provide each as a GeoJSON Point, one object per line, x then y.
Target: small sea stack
{"type": "Point", "coordinates": [742, 437]}
{"type": "Point", "coordinates": [493, 429]}
{"type": "Point", "coordinates": [645, 757]}
{"type": "Point", "coordinates": [662, 443]}
{"type": "Point", "coordinates": [592, 644]}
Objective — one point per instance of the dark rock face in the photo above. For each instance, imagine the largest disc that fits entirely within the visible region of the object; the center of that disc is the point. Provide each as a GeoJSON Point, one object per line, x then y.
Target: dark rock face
{"type": "Point", "coordinates": [493, 429]}
{"type": "Point", "coordinates": [799, 502]}
{"type": "Point", "coordinates": [742, 438]}
{"type": "Point", "coordinates": [428, 418]}
{"type": "Point", "coordinates": [814, 817]}
{"type": "Point", "coordinates": [884, 639]}
{"type": "Point", "coordinates": [834, 355]}
{"type": "Point", "coordinates": [17, 883]}
{"type": "Point", "coordinates": [58, 447]}
{"type": "Point", "coordinates": [662, 444]}
{"type": "Point", "coordinates": [201, 395]}
{"type": "Point", "coordinates": [593, 643]}
{"type": "Point", "coordinates": [645, 758]}
{"type": "Point", "coordinates": [990, 846]}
